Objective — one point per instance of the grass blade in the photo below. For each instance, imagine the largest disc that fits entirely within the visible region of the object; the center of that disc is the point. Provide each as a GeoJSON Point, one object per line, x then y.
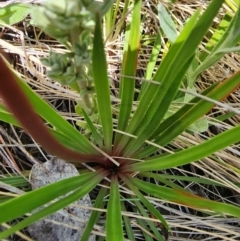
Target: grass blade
{"type": "Point", "coordinates": [163, 178]}
{"type": "Point", "coordinates": [154, 116]}
{"type": "Point", "coordinates": [7, 117]}
{"type": "Point", "coordinates": [179, 55]}
{"type": "Point", "coordinates": [151, 227]}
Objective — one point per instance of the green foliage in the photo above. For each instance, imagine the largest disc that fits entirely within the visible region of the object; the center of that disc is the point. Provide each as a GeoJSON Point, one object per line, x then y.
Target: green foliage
{"type": "Point", "coordinates": [130, 159]}
{"type": "Point", "coordinates": [167, 23]}
{"type": "Point", "coordinates": [14, 13]}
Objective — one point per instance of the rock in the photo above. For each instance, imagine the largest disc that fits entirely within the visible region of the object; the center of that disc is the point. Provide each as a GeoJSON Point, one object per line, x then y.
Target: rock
{"type": "Point", "coordinates": [64, 225]}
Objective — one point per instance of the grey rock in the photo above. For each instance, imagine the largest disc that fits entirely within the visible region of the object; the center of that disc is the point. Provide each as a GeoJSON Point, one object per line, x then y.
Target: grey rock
{"type": "Point", "coordinates": [64, 225]}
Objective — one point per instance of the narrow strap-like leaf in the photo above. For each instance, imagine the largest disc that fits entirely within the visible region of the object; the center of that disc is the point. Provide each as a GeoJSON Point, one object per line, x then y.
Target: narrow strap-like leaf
{"type": "Point", "coordinates": [127, 224]}
{"type": "Point", "coordinates": [63, 139]}
{"type": "Point", "coordinates": [191, 112]}
{"type": "Point", "coordinates": [166, 23]}
{"type": "Point", "coordinates": [162, 180]}
{"type": "Point", "coordinates": [96, 135]}
{"type": "Point", "coordinates": [26, 203]}
{"type": "Point", "coordinates": [154, 115]}
{"type": "Point", "coordinates": [191, 154]}
{"type": "Point", "coordinates": [151, 226]}
{"type": "Point", "coordinates": [54, 207]}
{"type": "Point", "coordinates": [170, 73]}
{"type": "Point", "coordinates": [229, 39]}
{"type": "Point", "coordinates": [7, 117]}
{"type": "Point", "coordinates": [142, 116]}
{"type": "Point", "coordinates": [151, 65]}
{"type": "Point", "coordinates": [148, 205]}
{"type": "Point", "coordinates": [99, 203]}
{"type": "Point", "coordinates": [186, 198]}
{"type": "Point", "coordinates": [19, 105]}
{"type": "Point", "coordinates": [101, 82]}
{"type": "Point", "coordinates": [129, 69]}
{"type": "Point", "coordinates": [114, 216]}
{"type": "Point", "coordinates": [56, 120]}
{"type": "Point", "coordinates": [147, 236]}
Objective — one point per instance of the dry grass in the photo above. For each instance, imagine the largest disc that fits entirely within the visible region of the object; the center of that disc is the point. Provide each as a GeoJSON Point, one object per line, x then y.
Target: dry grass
{"type": "Point", "coordinates": [19, 152]}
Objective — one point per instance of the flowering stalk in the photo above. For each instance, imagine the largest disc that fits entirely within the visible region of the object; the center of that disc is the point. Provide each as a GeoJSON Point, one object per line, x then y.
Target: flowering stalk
{"type": "Point", "coordinates": [71, 23]}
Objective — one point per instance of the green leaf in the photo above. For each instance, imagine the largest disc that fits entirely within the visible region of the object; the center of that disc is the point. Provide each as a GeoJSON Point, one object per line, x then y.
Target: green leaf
{"type": "Point", "coordinates": [157, 99]}
{"type": "Point", "coordinates": [112, 18]}
{"type": "Point", "coordinates": [34, 199]}
{"type": "Point", "coordinates": [14, 13]}
{"type": "Point", "coordinates": [95, 214]}
{"type": "Point", "coordinates": [166, 23]}
{"type": "Point", "coordinates": [13, 95]}
{"type": "Point", "coordinates": [161, 177]}
{"type": "Point", "coordinates": [114, 216]}
{"type": "Point", "coordinates": [63, 139]}
{"type": "Point", "coordinates": [129, 69]}
{"type": "Point", "coordinates": [144, 228]}
{"type": "Point", "coordinates": [151, 226]}
{"type": "Point", "coordinates": [16, 181]}
{"type": "Point", "coordinates": [55, 119]}
{"type": "Point", "coordinates": [96, 135]}
{"type": "Point", "coordinates": [190, 113]}
{"type": "Point", "coordinates": [102, 85]}
{"type": "Point", "coordinates": [151, 64]}
{"type": "Point", "coordinates": [200, 125]}
{"type": "Point", "coordinates": [233, 4]}
{"type": "Point", "coordinates": [80, 192]}
{"type": "Point", "coordinates": [180, 55]}
{"type": "Point", "coordinates": [7, 117]}
{"type": "Point", "coordinates": [216, 37]}
{"type": "Point", "coordinates": [191, 154]}
{"type": "Point", "coordinates": [154, 114]}
{"type": "Point", "coordinates": [148, 205]}
{"type": "Point", "coordinates": [138, 122]}
{"type": "Point", "coordinates": [229, 39]}
{"type": "Point", "coordinates": [185, 198]}
{"type": "Point", "coordinates": [127, 224]}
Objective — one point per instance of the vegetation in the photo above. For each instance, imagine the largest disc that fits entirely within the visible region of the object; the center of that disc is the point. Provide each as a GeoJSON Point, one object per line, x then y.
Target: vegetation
{"type": "Point", "coordinates": [141, 136]}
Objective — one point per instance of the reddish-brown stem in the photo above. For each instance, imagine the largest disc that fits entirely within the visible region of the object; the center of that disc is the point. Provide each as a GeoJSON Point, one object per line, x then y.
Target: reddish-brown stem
{"type": "Point", "coordinates": [18, 104]}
